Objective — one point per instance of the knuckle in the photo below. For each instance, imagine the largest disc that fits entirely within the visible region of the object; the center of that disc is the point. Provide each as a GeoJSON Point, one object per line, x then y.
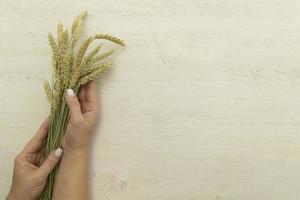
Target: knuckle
{"type": "Point", "coordinates": [18, 159]}
{"type": "Point", "coordinates": [52, 160]}
{"type": "Point", "coordinates": [74, 102]}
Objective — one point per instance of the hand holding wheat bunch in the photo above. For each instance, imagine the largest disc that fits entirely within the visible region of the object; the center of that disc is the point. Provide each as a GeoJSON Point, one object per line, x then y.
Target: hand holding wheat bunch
{"type": "Point", "coordinates": [71, 70]}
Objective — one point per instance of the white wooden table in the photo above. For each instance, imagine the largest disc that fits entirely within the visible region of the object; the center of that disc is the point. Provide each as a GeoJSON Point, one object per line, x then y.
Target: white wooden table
{"type": "Point", "coordinates": [203, 103]}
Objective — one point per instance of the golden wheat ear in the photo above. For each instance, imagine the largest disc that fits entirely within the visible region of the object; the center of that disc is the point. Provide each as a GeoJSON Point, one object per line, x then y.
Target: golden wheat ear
{"type": "Point", "coordinates": [53, 45]}
{"type": "Point", "coordinates": [48, 91]}
{"type": "Point", "coordinates": [77, 27]}
{"type": "Point", "coordinates": [60, 32]}
{"type": "Point", "coordinates": [110, 38]}
{"type": "Point", "coordinates": [92, 73]}
{"type": "Point", "coordinates": [92, 54]}
{"type": "Point", "coordinates": [102, 56]}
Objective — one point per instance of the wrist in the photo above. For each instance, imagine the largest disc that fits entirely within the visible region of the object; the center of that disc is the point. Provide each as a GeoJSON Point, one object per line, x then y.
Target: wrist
{"type": "Point", "coordinates": [79, 153]}
{"type": "Point", "coordinates": [73, 148]}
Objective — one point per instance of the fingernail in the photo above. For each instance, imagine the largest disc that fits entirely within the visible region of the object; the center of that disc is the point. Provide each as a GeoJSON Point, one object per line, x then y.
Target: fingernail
{"type": "Point", "coordinates": [70, 92]}
{"type": "Point", "coordinates": [58, 152]}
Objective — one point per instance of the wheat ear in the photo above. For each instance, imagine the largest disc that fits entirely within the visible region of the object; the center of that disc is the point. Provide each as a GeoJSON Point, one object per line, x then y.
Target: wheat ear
{"type": "Point", "coordinates": [93, 73]}
{"type": "Point", "coordinates": [60, 32]}
{"type": "Point", "coordinates": [101, 57]}
{"type": "Point", "coordinates": [92, 54]}
{"type": "Point", "coordinates": [48, 91]}
{"type": "Point", "coordinates": [76, 27]}
{"type": "Point", "coordinates": [110, 38]}
{"type": "Point", "coordinates": [78, 66]}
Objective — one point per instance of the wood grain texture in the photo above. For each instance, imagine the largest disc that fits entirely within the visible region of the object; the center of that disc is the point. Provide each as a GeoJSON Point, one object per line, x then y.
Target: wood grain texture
{"type": "Point", "coordinates": [203, 103]}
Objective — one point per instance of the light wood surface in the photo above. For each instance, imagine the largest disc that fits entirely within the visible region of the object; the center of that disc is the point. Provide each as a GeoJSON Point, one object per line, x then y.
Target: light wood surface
{"type": "Point", "coordinates": [203, 103]}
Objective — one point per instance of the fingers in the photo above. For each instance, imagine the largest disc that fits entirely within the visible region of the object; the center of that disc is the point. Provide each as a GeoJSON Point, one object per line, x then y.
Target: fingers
{"type": "Point", "coordinates": [81, 95]}
{"type": "Point", "coordinates": [90, 94]}
{"type": "Point", "coordinates": [74, 106]}
{"type": "Point", "coordinates": [38, 139]}
{"type": "Point", "coordinates": [50, 162]}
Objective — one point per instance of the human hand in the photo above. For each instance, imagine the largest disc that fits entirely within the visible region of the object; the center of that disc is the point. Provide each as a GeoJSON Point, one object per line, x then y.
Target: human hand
{"type": "Point", "coordinates": [72, 176]}
{"type": "Point", "coordinates": [83, 117]}
{"type": "Point", "coordinates": [31, 169]}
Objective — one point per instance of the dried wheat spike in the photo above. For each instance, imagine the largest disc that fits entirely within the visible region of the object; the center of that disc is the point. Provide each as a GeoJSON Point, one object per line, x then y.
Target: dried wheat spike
{"type": "Point", "coordinates": [48, 91]}
{"type": "Point", "coordinates": [54, 47]}
{"type": "Point", "coordinates": [82, 50]}
{"type": "Point", "coordinates": [93, 73]}
{"type": "Point", "coordinates": [65, 41]}
{"type": "Point", "coordinates": [55, 54]}
{"type": "Point", "coordinates": [101, 57]}
{"type": "Point", "coordinates": [110, 38]}
{"type": "Point", "coordinates": [66, 68]}
{"type": "Point", "coordinates": [60, 32]}
{"type": "Point", "coordinates": [57, 92]}
{"type": "Point", "coordinates": [65, 58]}
{"type": "Point", "coordinates": [92, 54]}
{"type": "Point", "coordinates": [76, 27]}
{"type": "Point", "coordinates": [96, 68]}
{"type": "Point", "coordinates": [78, 62]}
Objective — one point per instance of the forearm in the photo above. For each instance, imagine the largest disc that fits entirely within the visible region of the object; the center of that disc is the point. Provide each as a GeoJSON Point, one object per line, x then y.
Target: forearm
{"type": "Point", "coordinates": [72, 176]}
{"type": "Point", "coordinates": [12, 196]}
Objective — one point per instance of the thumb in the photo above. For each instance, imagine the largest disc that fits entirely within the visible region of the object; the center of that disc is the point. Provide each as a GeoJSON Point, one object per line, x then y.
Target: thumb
{"type": "Point", "coordinates": [50, 162]}
{"type": "Point", "coordinates": [74, 106]}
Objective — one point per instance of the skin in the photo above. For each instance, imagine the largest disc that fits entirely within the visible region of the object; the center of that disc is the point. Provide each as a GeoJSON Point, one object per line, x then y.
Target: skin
{"type": "Point", "coordinates": [72, 177]}
{"type": "Point", "coordinates": [30, 169]}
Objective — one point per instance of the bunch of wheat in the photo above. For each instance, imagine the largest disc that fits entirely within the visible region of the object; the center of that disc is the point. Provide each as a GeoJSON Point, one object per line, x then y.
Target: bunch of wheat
{"type": "Point", "coordinates": [71, 70]}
